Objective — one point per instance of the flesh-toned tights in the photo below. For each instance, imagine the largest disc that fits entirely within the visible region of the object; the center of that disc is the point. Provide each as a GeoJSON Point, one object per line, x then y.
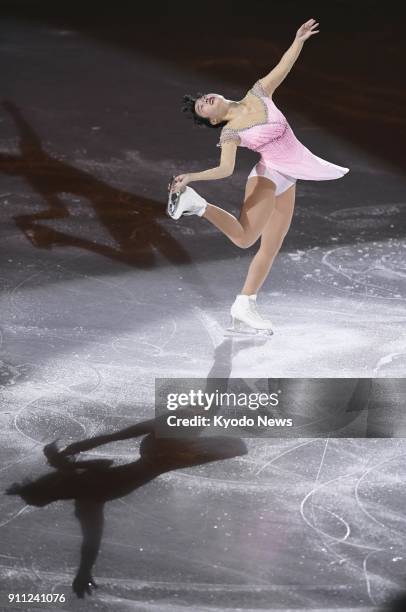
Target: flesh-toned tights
{"type": "Point", "coordinates": [263, 215]}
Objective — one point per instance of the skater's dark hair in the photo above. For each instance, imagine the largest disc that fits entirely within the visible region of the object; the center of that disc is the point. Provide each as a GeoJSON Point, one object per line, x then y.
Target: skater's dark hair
{"type": "Point", "coordinates": [188, 106]}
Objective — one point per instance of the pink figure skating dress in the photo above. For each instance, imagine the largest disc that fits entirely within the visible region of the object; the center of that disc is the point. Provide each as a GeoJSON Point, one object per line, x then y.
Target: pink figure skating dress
{"type": "Point", "coordinates": [283, 157]}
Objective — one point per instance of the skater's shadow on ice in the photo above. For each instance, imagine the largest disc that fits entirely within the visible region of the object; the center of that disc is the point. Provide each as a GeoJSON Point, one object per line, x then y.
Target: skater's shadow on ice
{"type": "Point", "coordinates": [92, 483]}
{"type": "Point", "coordinates": [229, 348]}
{"type": "Point", "coordinates": [132, 221]}
{"type": "Point", "coordinates": [397, 604]}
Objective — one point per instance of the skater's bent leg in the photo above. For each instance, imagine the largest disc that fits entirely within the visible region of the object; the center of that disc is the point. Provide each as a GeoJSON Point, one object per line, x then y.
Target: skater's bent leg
{"type": "Point", "coordinates": [258, 204]}
{"type": "Point", "coordinates": [271, 241]}
{"type": "Point", "coordinates": [224, 221]}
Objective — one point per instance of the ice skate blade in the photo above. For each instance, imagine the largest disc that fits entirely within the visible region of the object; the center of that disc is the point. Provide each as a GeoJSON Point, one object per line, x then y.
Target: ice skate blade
{"type": "Point", "coordinates": [240, 329]}
{"type": "Point", "coordinates": [173, 201]}
{"type": "Point", "coordinates": [259, 333]}
{"type": "Point", "coordinates": [172, 205]}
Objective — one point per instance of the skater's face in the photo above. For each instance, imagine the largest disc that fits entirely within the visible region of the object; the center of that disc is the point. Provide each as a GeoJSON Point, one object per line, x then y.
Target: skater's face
{"type": "Point", "coordinates": [210, 106]}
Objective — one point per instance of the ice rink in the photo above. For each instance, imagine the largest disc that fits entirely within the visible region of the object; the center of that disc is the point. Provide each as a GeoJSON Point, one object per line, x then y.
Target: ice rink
{"type": "Point", "coordinates": [102, 293]}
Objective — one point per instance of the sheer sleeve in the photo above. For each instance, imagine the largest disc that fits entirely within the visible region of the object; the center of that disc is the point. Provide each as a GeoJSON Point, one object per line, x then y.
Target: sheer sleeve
{"type": "Point", "coordinates": [258, 90]}
{"type": "Point", "coordinates": [227, 135]}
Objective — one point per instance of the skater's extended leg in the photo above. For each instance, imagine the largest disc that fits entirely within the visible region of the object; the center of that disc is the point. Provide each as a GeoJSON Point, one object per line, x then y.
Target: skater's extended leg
{"type": "Point", "coordinates": [271, 241]}
{"type": "Point", "coordinates": [243, 311]}
{"type": "Point", "coordinates": [258, 204]}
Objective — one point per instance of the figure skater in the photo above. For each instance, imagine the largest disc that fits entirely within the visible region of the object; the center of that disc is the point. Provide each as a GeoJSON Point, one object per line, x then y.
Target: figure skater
{"type": "Point", "coordinates": [255, 122]}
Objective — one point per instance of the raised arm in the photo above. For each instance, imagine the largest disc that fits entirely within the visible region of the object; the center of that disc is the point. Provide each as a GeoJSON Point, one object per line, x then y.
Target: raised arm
{"type": "Point", "coordinates": [272, 80]}
{"type": "Point", "coordinates": [224, 169]}
{"type": "Point", "coordinates": [57, 458]}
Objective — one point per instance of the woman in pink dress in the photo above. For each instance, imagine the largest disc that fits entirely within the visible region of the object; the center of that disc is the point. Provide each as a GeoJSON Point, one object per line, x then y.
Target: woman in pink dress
{"type": "Point", "coordinates": [256, 123]}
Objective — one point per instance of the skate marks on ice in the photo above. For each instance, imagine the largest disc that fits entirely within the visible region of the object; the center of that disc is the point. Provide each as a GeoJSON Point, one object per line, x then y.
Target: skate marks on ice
{"type": "Point", "coordinates": [66, 415]}
{"type": "Point", "coordinates": [358, 518]}
{"type": "Point", "coordinates": [93, 483]}
{"type": "Point", "coordinates": [372, 267]}
{"type": "Point", "coordinates": [357, 287]}
{"type": "Point", "coordinates": [348, 337]}
{"type": "Point", "coordinates": [327, 522]}
{"type": "Point", "coordinates": [341, 537]}
{"type": "Point", "coordinates": [130, 229]}
{"type": "Point", "coordinates": [378, 267]}
{"type": "Point", "coordinates": [337, 269]}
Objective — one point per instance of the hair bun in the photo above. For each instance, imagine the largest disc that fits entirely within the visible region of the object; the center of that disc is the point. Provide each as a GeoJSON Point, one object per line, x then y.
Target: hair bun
{"type": "Point", "coordinates": [188, 104]}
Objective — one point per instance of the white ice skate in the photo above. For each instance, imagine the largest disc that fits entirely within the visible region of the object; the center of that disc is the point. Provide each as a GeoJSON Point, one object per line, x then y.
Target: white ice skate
{"type": "Point", "coordinates": [186, 202]}
{"type": "Point", "coordinates": [246, 319]}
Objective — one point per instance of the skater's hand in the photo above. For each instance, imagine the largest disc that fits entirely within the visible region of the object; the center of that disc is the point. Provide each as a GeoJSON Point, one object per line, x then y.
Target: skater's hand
{"type": "Point", "coordinates": [306, 30]}
{"type": "Point", "coordinates": [180, 182]}
{"type": "Point", "coordinates": [56, 458]}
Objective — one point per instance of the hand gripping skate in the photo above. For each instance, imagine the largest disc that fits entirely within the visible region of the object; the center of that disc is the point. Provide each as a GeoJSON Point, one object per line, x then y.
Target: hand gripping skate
{"type": "Point", "coordinates": [185, 202]}
{"type": "Point", "coordinates": [173, 200]}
